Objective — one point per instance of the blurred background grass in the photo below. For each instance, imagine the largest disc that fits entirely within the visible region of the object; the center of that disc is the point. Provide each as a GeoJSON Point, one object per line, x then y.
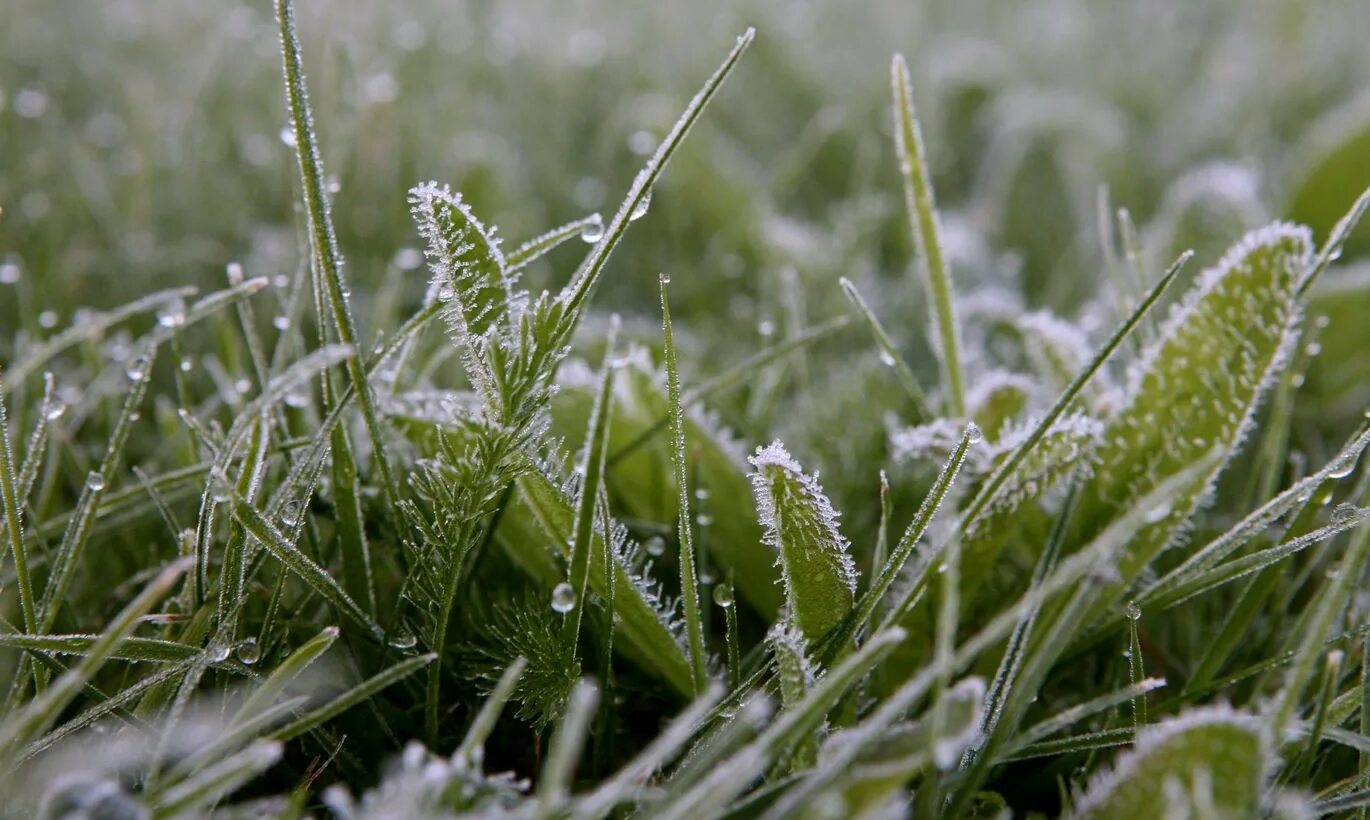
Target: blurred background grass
{"type": "Point", "coordinates": [140, 147]}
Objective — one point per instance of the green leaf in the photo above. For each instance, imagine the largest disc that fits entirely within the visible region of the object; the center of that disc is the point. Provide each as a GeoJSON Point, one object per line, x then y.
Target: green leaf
{"type": "Point", "coordinates": [1212, 757]}
{"type": "Point", "coordinates": [801, 525]}
{"type": "Point", "coordinates": [1197, 386]}
{"type": "Point", "coordinates": [1335, 169]}
{"type": "Point", "coordinates": [466, 261]}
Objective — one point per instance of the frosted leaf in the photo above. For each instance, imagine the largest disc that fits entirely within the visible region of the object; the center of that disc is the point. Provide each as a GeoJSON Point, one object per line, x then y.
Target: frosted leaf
{"type": "Point", "coordinates": [465, 256]}
{"type": "Point", "coordinates": [1184, 751]}
{"type": "Point", "coordinates": [802, 526]}
{"type": "Point", "coordinates": [1197, 386]}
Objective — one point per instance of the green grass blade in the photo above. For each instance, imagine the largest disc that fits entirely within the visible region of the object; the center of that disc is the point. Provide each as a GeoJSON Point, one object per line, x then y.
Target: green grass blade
{"type": "Point", "coordinates": [352, 697]}
{"type": "Point", "coordinates": [288, 670]}
{"type": "Point", "coordinates": [889, 353]}
{"type": "Point", "coordinates": [142, 650]}
{"type": "Point", "coordinates": [524, 255]}
{"type": "Point", "coordinates": [577, 293]}
{"type": "Point", "coordinates": [488, 716]}
{"type": "Point", "coordinates": [567, 743]}
{"type": "Point", "coordinates": [14, 525]}
{"type": "Point", "coordinates": [922, 213]}
{"type": "Point", "coordinates": [322, 238]}
{"type": "Point", "coordinates": [689, 565]}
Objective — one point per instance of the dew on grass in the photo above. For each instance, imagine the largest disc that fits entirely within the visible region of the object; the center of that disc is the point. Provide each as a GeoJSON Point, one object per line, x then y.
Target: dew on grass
{"type": "Point", "coordinates": [1342, 468]}
{"type": "Point", "coordinates": [1343, 513]}
{"type": "Point", "coordinates": [10, 273]}
{"type": "Point", "coordinates": [887, 358]}
{"type": "Point", "coordinates": [593, 229]}
{"type": "Point", "coordinates": [55, 411]}
{"type": "Point", "coordinates": [281, 322]}
{"type": "Point", "coordinates": [655, 546]}
{"type": "Point", "coordinates": [220, 488]}
{"type": "Point", "coordinates": [563, 598]}
{"type": "Point", "coordinates": [248, 652]}
{"type": "Point", "coordinates": [723, 595]}
{"type": "Point", "coordinates": [137, 369]}
{"type": "Point", "coordinates": [403, 638]}
{"type": "Point", "coordinates": [974, 434]}
{"type": "Point", "coordinates": [766, 328]}
{"type": "Point", "coordinates": [1157, 513]}
{"type": "Point", "coordinates": [640, 210]}
{"type": "Point", "coordinates": [1134, 612]}
{"type": "Point", "coordinates": [95, 481]}
{"type": "Point", "coordinates": [219, 652]}
{"type": "Point", "coordinates": [47, 319]}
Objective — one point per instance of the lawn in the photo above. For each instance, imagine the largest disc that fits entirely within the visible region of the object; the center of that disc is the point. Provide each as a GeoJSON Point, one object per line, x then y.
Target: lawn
{"type": "Point", "coordinates": [937, 410]}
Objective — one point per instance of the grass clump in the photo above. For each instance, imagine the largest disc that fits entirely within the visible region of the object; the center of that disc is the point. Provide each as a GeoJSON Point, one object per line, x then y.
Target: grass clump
{"type": "Point", "coordinates": [514, 557]}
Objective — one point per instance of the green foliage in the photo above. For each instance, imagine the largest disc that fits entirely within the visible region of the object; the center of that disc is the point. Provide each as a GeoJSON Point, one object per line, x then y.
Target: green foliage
{"type": "Point", "coordinates": [236, 527]}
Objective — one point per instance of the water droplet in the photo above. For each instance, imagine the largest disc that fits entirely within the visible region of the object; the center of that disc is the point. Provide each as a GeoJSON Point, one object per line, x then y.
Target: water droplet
{"type": "Point", "coordinates": [563, 597]}
{"type": "Point", "coordinates": [248, 652]}
{"type": "Point", "coordinates": [288, 136]}
{"type": "Point", "coordinates": [220, 488]}
{"type": "Point", "coordinates": [641, 143]}
{"type": "Point", "coordinates": [1134, 612]}
{"type": "Point", "coordinates": [974, 434]}
{"type": "Point", "coordinates": [702, 494]}
{"type": "Point", "coordinates": [243, 386]}
{"type": "Point", "coordinates": [445, 293]}
{"type": "Point", "coordinates": [95, 481]}
{"type": "Point", "coordinates": [641, 209]}
{"type": "Point", "coordinates": [1343, 468]}
{"type": "Point", "coordinates": [941, 568]}
{"type": "Point", "coordinates": [296, 399]}
{"type": "Point", "coordinates": [55, 411]}
{"type": "Point", "coordinates": [290, 514]}
{"type": "Point", "coordinates": [665, 278]}
{"type": "Point", "coordinates": [593, 229]}
{"type": "Point", "coordinates": [47, 319]}
{"type": "Point", "coordinates": [887, 358]}
{"type": "Point", "coordinates": [9, 273]}
{"type": "Point", "coordinates": [137, 369]}
{"type": "Point", "coordinates": [234, 272]}
{"type": "Point", "coordinates": [723, 595]}
{"type": "Point", "coordinates": [766, 328]}
{"type": "Point", "coordinates": [704, 519]}
{"type": "Point", "coordinates": [1313, 349]}
{"type": "Point", "coordinates": [403, 638]}
{"type": "Point", "coordinates": [1343, 513]}
{"type": "Point", "coordinates": [187, 364]}
{"type": "Point", "coordinates": [173, 315]}
{"type": "Point", "coordinates": [281, 322]}
{"type": "Point", "coordinates": [332, 184]}
{"type": "Point", "coordinates": [655, 546]}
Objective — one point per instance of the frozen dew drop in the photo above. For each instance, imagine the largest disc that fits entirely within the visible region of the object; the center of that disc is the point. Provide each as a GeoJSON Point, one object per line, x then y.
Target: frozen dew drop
{"type": "Point", "coordinates": [1342, 513]}
{"type": "Point", "coordinates": [332, 184]}
{"type": "Point", "coordinates": [723, 595]}
{"type": "Point", "coordinates": [220, 488]}
{"type": "Point", "coordinates": [187, 364]}
{"type": "Point", "coordinates": [55, 411]}
{"type": "Point", "coordinates": [655, 546]}
{"type": "Point", "coordinates": [290, 514]}
{"type": "Point", "coordinates": [95, 481]}
{"type": "Point", "coordinates": [765, 327]}
{"type": "Point", "coordinates": [137, 369]}
{"type": "Point", "coordinates": [593, 229]}
{"type": "Point", "coordinates": [288, 135]}
{"type": "Point", "coordinates": [665, 279]}
{"type": "Point", "coordinates": [47, 320]}
{"type": "Point", "coordinates": [281, 322]}
{"type": "Point", "coordinates": [218, 652]}
{"type": "Point", "coordinates": [243, 386]}
{"type": "Point", "coordinates": [941, 568]}
{"type": "Point", "coordinates": [704, 519]}
{"type": "Point", "coordinates": [248, 652]}
{"type": "Point", "coordinates": [1313, 349]}
{"type": "Point", "coordinates": [702, 493]}
{"type": "Point", "coordinates": [445, 293]}
{"type": "Point", "coordinates": [173, 315]}
{"type": "Point", "coordinates": [403, 638]}
{"type": "Point", "coordinates": [1134, 612]}
{"type": "Point", "coordinates": [563, 598]}
{"type": "Point", "coordinates": [887, 359]}
{"type": "Point", "coordinates": [9, 273]}
{"type": "Point", "coordinates": [641, 143]}
{"type": "Point", "coordinates": [973, 433]}
{"type": "Point", "coordinates": [1342, 468]}
{"type": "Point", "coordinates": [640, 210]}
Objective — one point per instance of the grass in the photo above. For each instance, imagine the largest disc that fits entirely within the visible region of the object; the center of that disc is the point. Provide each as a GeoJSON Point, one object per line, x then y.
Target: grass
{"type": "Point", "coordinates": [328, 534]}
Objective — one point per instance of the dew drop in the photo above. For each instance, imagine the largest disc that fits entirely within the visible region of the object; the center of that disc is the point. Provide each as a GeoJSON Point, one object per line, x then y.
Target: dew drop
{"type": "Point", "coordinates": [218, 652]}
{"type": "Point", "coordinates": [655, 546]}
{"type": "Point", "coordinates": [665, 278]}
{"type": "Point", "coordinates": [641, 209]}
{"type": "Point", "coordinates": [704, 519]}
{"type": "Point", "coordinates": [1343, 513]}
{"type": "Point", "coordinates": [563, 598]}
{"type": "Point", "coordinates": [288, 136]}
{"type": "Point", "coordinates": [1134, 612]}
{"type": "Point", "coordinates": [9, 273]}
{"type": "Point", "coordinates": [973, 433]}
{"type": "Point", "coordinates": [593, 229]}
{"type": "Point", "coordinates": [445, 293]}
{"type": "Point", "coordinates": [220, 489]}
{"type": "Point", "coordinates": [290, 514]}
{"type": "Point", "coordinates": [1156, 513]}
{"type": "Point", "coordinates": [941, 568]}
{"type": "Point", "coordinates": [765, 327]}
{"type": "Point", "coordinates": [281, 322]}
{"type": "Point", "coordinates": [403, 638]}
{"type": "Point", "coordinates": [173, 316]}
{"type": "Point", "coordinates": [187, 364]}
{"type": "Point", "coordinates": [137, 369]}
{"type": "Point", "coordinates": [55, 411]}
{"type": "Point", "coordinates": [47, 320]}
{"type": "Point", "coordinates": [1342, 468]}
{"type": "Point", "coordinates": [723, 595]}
{"type": "Point", "coordinates": [887, 358]}
{"type": "Point", "coordinates": [248, 652]}
{"type": "Point", "coordinates": [95, 481]}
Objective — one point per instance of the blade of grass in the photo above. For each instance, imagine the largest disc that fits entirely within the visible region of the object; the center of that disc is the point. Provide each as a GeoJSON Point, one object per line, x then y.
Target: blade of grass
{"type": "Point", "coordinates": [358, 694]}
{"type": "Point", "coordinates": [689, 565]}
{"type": "Point", "coordinates": [922, 213]}
{"type": "Point", "coordinates": [889, 353]}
